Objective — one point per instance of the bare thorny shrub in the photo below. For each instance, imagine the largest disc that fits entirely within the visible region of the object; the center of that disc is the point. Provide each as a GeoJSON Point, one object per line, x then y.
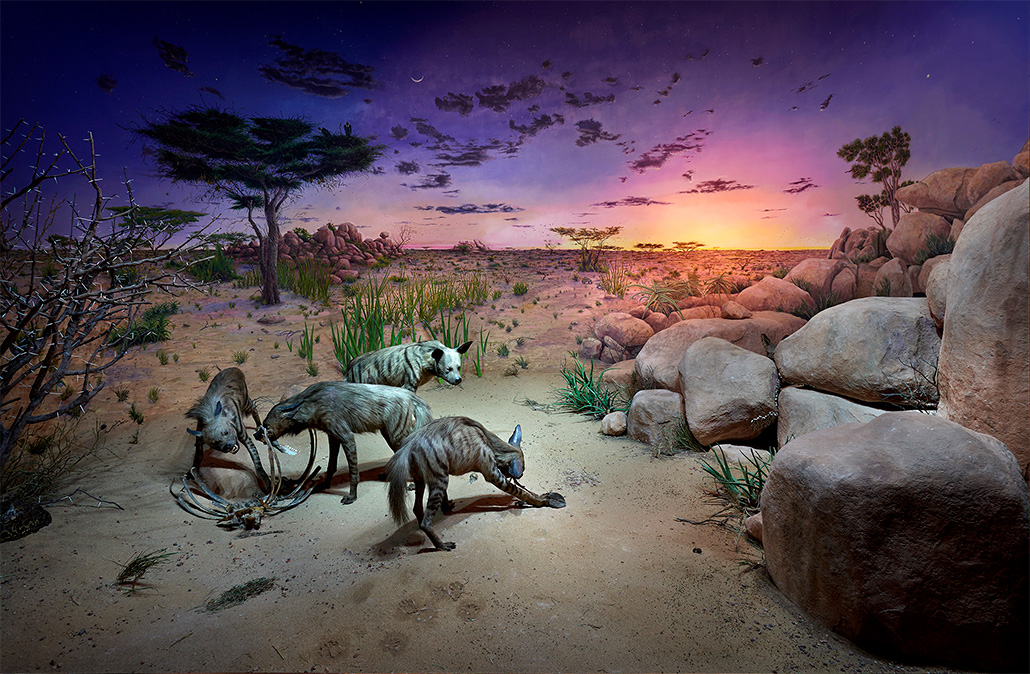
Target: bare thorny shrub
{"type": "Point", "coordinates": [63, 297]}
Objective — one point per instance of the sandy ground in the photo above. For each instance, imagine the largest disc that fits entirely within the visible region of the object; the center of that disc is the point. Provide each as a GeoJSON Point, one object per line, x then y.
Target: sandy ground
{"type": "Point", "coordinates": [613, 582]}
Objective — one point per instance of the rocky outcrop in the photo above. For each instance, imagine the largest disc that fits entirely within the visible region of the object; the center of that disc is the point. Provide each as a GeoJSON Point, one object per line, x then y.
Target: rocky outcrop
{"type": "Point", "coordinates": [653, 416]}
{"type": "Point", "coordinates": [985, 361]}
{"type": "Point", "coordinates": [873, 349]}
{"type": "Point", "coordinates": [860, 244]}
{"type": "Point", "coordinates": [803, 411]}
{"type": "Point", "coordinates": [729, 393]}
{"type": "Point", "coordinates": [339, 247]}
{"type": "Point", "coordinates": [951, 192]}
{"type": "Point", "coordinates": [658, 361]}
{"type": "Point", "coordinates": [936, 289]}
{"type": "Point", "coordinates": [908, 535]}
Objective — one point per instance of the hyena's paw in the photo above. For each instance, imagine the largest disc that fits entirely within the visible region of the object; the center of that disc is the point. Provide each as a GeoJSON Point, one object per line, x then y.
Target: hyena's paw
{"type": "Point", "coordinates": [447, 546]}
{"type": "Point", "coordinates": [447, 506]}
{"type": "Point", "coordinates": [554, 500]}
{"type": "Point", "coordinates": [348, 499]}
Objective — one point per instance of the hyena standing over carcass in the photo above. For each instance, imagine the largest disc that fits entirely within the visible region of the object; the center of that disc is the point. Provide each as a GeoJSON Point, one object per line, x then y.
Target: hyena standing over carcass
{"type": "Point", "coordinates": [341, 409]}
{"type": "Point", "coordinates": [455, 446]}
{"type": "Point", "coordinates": [408, 365]}
{"type": "Point", "coordinates": [219, 414]}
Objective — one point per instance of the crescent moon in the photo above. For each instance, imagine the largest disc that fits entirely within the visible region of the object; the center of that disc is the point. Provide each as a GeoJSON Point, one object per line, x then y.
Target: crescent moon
{"type": "Point", "coordinates": [419, 79]}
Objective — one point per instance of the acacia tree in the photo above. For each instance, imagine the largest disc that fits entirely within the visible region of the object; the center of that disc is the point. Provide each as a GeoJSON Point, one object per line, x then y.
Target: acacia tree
{"type": "Point", "coordinates": [590, 241]}
{"type": "Point", "coordinates": [879, 158]}
{"type": "Point", "coordinates": [873, 205]}
{"type": "Point", "coordinates": [60, 311]}
{"type": "Point", "coordinates": [257, 163]}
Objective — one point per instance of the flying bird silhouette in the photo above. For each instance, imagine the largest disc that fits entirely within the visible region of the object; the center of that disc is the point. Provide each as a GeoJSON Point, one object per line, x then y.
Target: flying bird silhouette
{"type": "Point", "coordinates": [826, 103]}
{"type": "Point", "coordinates": [758, 61]}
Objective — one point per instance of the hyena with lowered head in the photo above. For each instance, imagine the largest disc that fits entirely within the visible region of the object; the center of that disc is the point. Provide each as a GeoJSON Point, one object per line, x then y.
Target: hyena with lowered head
{"type": "Point", "coordinates": [408, 365]}
{"type": "Point", "coordinates": [455, 446]}
{"type": "Point", "coordinates": [341, 409]}
{"type": "Point", "coordinates": [219, 414]}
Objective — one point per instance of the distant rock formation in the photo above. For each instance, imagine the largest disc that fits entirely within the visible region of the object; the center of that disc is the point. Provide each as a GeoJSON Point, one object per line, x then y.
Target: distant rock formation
{"type": "Point", "coordinates": [339, 247]}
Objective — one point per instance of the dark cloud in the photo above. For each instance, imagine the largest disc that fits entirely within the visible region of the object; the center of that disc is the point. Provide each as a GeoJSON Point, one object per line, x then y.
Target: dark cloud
{"type": "Point", "coordinates": [546, 65]}
{"type": "Point", "coordinates": [610, 80]}
{"type": "Point", "coordinates": [830, 215]}
{"type": "Point", "coordinates": [174, 56]}
{"type": "Point", "coordinates": [533, 108]}
{"type": "Point", "coordinates": [316, 71]}
{"type": "Point", "coordinates": [398, 132]}
{"type": "Point", "coordinates": [407, 168]}
{"type": "Point", "coordinates": [433, 181]}
{"type": "Point", "coordinates": [688, 174]}
{"type": "Point", "coordinates": [567, 75]}
{"type": "Point", "coordinates": [590, 132]}
{"type": "Point", "coordinates": [427, 129]}
{"type": "Point", "coordinates": [499, 97]}
{"type": "Point", "coordinates": [540, 123]}
{"type": "Point", "coordinates": [472, 153]}
{"type": "Point", "coordinates": [718, 185]}
{"type": "Point", "coordinates": [771, 210]}
{"type": "Point", "coordinates": [107, 82]}
{"type": "Point", "coordinates": [631, 201]}
{"type": "Point", "coordinates": [472, 209]}
{"type": "Point", "coordinates": [212, 90]}
{"type": "Point", "coordinates": [587, 100]}
{"type": "Point", "coordinates": [676, 77]}
{"type": "Point", "coordinates": [460, 103]}
{"type": "Point", "coordinates": [799, 186]}
{"type": "Point", "coordinates": [657, 156]}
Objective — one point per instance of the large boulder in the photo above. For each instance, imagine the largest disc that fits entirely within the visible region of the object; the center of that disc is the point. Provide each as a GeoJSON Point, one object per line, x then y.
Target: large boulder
{"type": "Point", "coordinates": [802, 411]}
{"type": "Point", "coordinates": [893, 280]}
{"type": "Point", "coordinates": [658, 361]}
{"type": "Point", "coordinates": [873, 349]}
{"type": "Point", "coordinates": [622, 335]}
{"type": "Point", "coordinates": [989, 197]}
{"type": "Point", "coordinates": [953, 191]}
{"type": "Point", "coordinates": [860, 244]}
{"type": "Point", "coordinates": [936, 289]}
{"type": "Point", "coordinates": [773, 294]}
{"type": "Point", "coordinates": [729, 393]}
{"type": "Point", "coordinates": [816, 275]}
{"type": "Point", "coordinates": [653, 416]}
{"type": "Point", "coordinates": [1021, 162]}
{"type": "Point", "coordinates": [908, 534]}
{"type": "Point", "coordinates": [908, 237]}
{"type": "Point", "coordinates": [984, 365]}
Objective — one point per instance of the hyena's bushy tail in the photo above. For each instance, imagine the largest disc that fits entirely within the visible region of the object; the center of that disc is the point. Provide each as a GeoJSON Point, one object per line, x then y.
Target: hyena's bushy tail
{"type": "Point", "coordinates": [398, 473]}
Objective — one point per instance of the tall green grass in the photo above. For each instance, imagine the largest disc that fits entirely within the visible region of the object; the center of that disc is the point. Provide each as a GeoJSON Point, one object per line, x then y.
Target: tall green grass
{"type": "Point", "coordinates": [151, 326]}
{"type": "Point", "coordinates": [584, 393]}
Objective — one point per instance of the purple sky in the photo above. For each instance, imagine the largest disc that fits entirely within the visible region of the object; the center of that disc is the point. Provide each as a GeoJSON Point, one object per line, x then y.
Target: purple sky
{"type": "Point", "coordinates": [716, 122]}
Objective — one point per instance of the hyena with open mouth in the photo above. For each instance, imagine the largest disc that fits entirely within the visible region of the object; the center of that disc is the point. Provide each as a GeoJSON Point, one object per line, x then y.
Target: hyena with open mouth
{"type": "Point", "coordinates": [408, 365]}
{"type": "Point", "coordinates": [455, 446]}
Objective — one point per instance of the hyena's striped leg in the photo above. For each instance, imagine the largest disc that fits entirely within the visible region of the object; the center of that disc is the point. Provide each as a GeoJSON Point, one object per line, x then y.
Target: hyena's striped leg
{"type": "Point", "coordinates": [350, 450]}
{"type": "Point", "coordinates": [420, 489]}
{"type": "Point", "coordinates": [437, 495]}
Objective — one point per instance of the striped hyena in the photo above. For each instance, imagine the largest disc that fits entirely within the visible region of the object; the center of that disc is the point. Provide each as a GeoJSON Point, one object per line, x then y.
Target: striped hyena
{"type": "Point", "coordinates": [455, 446]}
{"type": "Point", "coordinates": [341, 409]}
{"type": "Point", "coordinates": [408, 365]}
{"type": "Point", "coordinates": [219, 414]}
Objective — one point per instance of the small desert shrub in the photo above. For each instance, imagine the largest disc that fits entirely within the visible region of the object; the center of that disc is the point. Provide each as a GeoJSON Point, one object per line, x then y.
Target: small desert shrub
{"type": "Point", "coordinates": [884, 289]}
{"type": "Point", "coordinates": [133, 570]}
{"type": "Point", "coordinates": [45, 456]}
{"type": "Point", "coordinates": [312, 368]}
{"type": "Point", "coordinates": [122, 394]}
{"type": "Point", "coordinates": [522, 362]}
{"type": "Point", "coordinates": [584, 393]}
{"type": "Point", "coordinates": [819, 301]}
{"type": "Point", "coordinates": [933, 245]}
{"type": "Point", "coordinates": [162, 357]}
{"type": "Point", "coordinates": [502, 351]}
{"type": "Point", "coordinates": [780, 272]}
{"type": "Point", "coordinates": [239, 357]}
{"type": "Point", "coordinates": [151, 326]}
{"type": "Point", "coordinates": [204, 374]}
{"type": "Point", "coordinates": [217, 269]}
{"type": "Point", "coordinates": [520, 288]}
{"type": "Point", "coordinates": [153, 394]}
{"type": "Point", "coordinates": [739, 483]}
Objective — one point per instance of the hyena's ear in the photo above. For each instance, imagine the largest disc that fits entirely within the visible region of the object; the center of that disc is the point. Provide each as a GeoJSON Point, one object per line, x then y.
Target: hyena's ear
{"type": "Point", "coordinates": [437, 354]}
{"type": "Point", "coordinates": [194, 432]}
{"type": "Point", "coordinates": [218, 408]}
{"type": "Point", "coordinates": [464, 347]}
{"type": "Point", "coordinates": [516, 437]}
